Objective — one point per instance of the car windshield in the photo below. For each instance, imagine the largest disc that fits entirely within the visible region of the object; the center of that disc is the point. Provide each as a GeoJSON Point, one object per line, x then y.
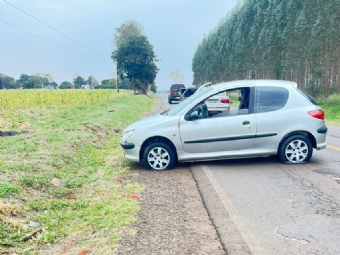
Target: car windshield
{"type": "Point", "coordinates": [188, 101]}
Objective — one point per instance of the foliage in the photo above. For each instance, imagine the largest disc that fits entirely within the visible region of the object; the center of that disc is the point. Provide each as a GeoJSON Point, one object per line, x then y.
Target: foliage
{"type": "Point", "coordinates": [108, 84]}
{"type": "Point", "coordinates": [92, 81]}
{"type": "Point", "coordinates": [125, 31]}
{"type": "Point", "coordinates": [66, 85]}
{"type": "Point", "coordinates": [136, 60]}
{"type": "Point", "coordinates": [261, 39]}
{"type": "Point", "coordinates": [153, 87]}
{"type": "Point", "coordinates": [69, 176]}
{"type": "Point", "coordinates": [331, 107]}
{"type": "Point", "coordinates": [35, 82]}
{"type": "Point", "coordinates": [124, 83]}
{"type": "Point", "coordinates": [78, 82]}
{"type": "Point", "coordinates": [7, 82]}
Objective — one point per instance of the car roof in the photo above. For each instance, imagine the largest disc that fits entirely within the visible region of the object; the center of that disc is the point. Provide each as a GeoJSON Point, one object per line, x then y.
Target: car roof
{"type": "Point", "coordinates": [253, 83]}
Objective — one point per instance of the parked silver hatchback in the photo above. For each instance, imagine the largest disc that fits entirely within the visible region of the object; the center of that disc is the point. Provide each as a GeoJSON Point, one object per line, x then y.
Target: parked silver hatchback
{"type": "Point", "coordinates": [266, 117]}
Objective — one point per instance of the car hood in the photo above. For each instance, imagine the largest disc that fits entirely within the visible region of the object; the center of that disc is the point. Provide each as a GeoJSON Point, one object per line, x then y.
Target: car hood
{"type": "Point", "coordinates": [151, 120]}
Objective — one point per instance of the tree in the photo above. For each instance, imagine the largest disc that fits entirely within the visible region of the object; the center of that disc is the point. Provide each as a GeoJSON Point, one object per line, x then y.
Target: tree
{"type": "Point", "coordinates": [78, 82]}
{"type": "Point", "coordinates": [35, 82]}
{"type": "Point", "coordinates": [153, 88]}
{"type": "Point", "coordinates": [108, 84]}
{"type": "Point", "coordinates": [45, 79]}
{"type": "Point", "coordinates": [262, 39]}
{"type": "Point", "coordinates": [122, 35]}
{"type": "Point", "coordinates": [7, 82]}
{"type": "Point", "coordinates": [92, 81]}
{"type": "Point", "coordinates": [136, 60]}
{"type": "Point", "coordinates": [125, 83]}
{"type": "Point", "coordinates": [125, 31]}
{"type": "Point", "coordinates": [176, 76]}
{"type": "Point", "coordinates": [23, 78]}
{"type": "Point", "coordinates": [66, 85]}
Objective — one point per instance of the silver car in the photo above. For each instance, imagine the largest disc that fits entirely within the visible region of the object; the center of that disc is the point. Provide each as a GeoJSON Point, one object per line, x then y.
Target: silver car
{"type": "Point", "coordinates": [269, 117]}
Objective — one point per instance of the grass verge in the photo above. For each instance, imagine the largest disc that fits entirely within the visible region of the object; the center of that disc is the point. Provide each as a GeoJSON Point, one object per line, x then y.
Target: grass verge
{"type": "Point", "coordinates": [331, 106]}
{"type": "Point", "coordinates": [64, 184]}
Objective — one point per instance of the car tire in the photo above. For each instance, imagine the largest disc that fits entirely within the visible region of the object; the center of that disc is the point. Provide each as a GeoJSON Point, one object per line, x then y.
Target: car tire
{"type": "Point", "coordinates": [169, 101]}
{"type": "Point", "coordinates": [158, 157]}
{"type": "Point", "coordinates": [295, 149]}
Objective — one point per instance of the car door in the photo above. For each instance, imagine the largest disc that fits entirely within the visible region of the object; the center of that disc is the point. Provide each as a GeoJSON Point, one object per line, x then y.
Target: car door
{"type": "Point", "coordinates": [225, 135]}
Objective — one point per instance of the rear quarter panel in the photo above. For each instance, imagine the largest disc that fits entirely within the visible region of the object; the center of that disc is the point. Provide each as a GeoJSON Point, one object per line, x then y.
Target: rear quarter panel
{"type": "Point", "coordinates": [292, 117]}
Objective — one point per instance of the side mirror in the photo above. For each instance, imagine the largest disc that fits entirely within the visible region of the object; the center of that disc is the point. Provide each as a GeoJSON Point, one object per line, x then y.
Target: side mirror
{"type": "Point", "coordinates": [194, 115]}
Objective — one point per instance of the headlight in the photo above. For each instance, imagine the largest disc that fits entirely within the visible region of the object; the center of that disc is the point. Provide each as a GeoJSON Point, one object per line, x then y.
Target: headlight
{"type": "Point", "coordinates": [127, 134]}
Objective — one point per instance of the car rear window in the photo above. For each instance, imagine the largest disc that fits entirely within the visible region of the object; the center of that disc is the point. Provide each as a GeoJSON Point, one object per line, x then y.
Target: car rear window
{"type": "Point", "coordinates": [176, 87]}
{"type": "Point", "coordinates": [270, 98]}
{"type": "Point", "coordinates": [308, 97]}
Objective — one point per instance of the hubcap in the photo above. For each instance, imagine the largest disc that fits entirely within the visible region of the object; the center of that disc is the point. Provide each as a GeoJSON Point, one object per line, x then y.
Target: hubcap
{"type": "Point", "coordinates": [296, 151]}
{"type": "Point", "coordinates": [158, 158]}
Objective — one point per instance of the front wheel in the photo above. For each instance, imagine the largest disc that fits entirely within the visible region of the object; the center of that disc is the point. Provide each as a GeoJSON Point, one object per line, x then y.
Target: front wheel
{"type": "Point", "coordinates": [295, 149]}
{"type": "Point", "coordinates": [158, 156]}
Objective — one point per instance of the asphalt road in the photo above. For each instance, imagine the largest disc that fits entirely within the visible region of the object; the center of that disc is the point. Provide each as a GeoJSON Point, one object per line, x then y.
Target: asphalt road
{"type": "Point", "coordinates": [260, 206]}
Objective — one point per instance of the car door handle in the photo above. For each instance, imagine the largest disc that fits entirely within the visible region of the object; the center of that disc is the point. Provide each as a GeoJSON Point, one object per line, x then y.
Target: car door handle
{"type": "Point", "coordinates": [246, 122]}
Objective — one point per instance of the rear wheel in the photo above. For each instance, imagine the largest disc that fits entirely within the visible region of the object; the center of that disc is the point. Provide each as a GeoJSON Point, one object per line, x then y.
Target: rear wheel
{"type": "Point", "coordinates": [158, 157]}
{"type": "Point", "coordinates": [169, 101]}
{"type": "Point", "coordinates": [295, 149]}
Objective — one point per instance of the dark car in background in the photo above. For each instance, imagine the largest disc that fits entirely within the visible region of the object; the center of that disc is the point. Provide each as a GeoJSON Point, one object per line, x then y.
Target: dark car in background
{"type": "Point", "coordinates": [187, 92]}
{"type": "Point", "coordinates": [175, 92]}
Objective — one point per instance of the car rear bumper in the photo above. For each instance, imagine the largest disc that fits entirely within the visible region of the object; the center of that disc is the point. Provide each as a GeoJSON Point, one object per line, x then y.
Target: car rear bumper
{"type": "Point", "coordinates": [320, 138]}
{"type": "Point", "coordinates": [175, 98]}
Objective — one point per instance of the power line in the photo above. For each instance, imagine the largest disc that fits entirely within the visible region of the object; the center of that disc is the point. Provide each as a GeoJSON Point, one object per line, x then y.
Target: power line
{"type": "Point", "coordinates": [54, 29]}
{"type": "Point", "coordinates": [52, 42]}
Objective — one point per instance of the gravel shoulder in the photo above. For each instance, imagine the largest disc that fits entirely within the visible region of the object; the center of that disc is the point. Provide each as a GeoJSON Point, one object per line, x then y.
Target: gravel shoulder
{"type": "Point", "coordinates": [173, 218]}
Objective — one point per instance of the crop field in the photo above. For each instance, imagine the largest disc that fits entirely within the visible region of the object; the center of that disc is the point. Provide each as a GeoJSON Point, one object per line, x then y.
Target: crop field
{"type": "Point", "coordinates": [64, 183]}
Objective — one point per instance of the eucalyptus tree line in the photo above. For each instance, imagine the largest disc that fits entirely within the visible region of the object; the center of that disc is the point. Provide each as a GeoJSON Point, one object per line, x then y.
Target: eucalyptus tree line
{"type": "Point", "coordinates": [275, 39]}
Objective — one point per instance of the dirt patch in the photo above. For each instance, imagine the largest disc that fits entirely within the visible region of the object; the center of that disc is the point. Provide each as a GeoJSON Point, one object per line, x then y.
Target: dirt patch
{"type": "Point", "coordinates": [173, 219]}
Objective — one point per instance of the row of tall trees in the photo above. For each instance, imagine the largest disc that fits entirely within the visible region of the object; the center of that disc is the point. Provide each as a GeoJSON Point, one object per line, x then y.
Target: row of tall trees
{"type": "Point", "coordinates": [275, 39]}
{"type": "Point", "coordinates": [134, 57]}
{"type": "Point", "coordinates": [43, 80]}
{"type": "Point", "coordinates": [34, 81]}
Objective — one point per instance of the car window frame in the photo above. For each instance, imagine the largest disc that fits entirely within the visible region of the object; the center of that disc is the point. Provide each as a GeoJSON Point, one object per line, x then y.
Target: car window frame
{"type": "Point", "coordinates": [187, 115]}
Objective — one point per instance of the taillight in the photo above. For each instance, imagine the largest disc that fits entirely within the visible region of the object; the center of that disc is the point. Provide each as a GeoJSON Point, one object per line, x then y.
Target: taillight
{"type": "Point", "coordinates": [318, 114]}
{"type": "Point", "coordinates": [170, 93]}
{"type": "Point", "coordinates": [224, 101]}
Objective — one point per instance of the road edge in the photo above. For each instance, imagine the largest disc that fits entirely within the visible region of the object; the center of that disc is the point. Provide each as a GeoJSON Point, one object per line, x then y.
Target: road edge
{"type": "Point", "coordinates": [227, 230]}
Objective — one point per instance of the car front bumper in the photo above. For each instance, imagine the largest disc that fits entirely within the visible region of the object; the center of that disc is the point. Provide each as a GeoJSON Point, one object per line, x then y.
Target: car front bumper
{"type": "Point", "coordinates": [131, 151]}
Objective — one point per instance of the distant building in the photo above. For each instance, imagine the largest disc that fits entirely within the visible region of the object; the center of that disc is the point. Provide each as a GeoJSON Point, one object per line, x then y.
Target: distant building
{"type": "Point", "coordinates": [49, 87]}
{"type": "Point", "coordinates": [86, 87]}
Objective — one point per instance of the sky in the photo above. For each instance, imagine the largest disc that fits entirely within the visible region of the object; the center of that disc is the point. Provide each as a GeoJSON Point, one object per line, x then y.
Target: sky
{"type": "Point", "coordinates": [174, 27]}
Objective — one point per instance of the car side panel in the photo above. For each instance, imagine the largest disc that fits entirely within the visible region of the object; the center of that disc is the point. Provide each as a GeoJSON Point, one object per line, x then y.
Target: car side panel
{"type": "Point", "coordinates": [223, 135]}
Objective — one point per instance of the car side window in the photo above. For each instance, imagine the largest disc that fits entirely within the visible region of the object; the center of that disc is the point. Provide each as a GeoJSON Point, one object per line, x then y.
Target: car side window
{"type": "Point", "coordinates": [270, 98]}
{"type": "Point", "coordinates": [223, 104]}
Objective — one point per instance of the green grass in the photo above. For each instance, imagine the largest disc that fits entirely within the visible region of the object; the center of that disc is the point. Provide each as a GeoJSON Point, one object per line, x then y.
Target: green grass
{"type": "Point", "coordinates": [8, 189]}
{"type": "Point", "coordinates": [331, 106]}
{"type": "Point", "coordinates": [68, 174]}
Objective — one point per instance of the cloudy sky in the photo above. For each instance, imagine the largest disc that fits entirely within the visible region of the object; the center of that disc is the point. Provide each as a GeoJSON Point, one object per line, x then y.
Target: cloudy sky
{"type": "Point", "coordinates": [173, 27]}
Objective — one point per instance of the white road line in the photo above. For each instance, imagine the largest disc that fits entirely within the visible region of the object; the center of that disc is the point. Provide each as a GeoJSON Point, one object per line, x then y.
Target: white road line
{"type": "Point", "coordinates": [250, 239]}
